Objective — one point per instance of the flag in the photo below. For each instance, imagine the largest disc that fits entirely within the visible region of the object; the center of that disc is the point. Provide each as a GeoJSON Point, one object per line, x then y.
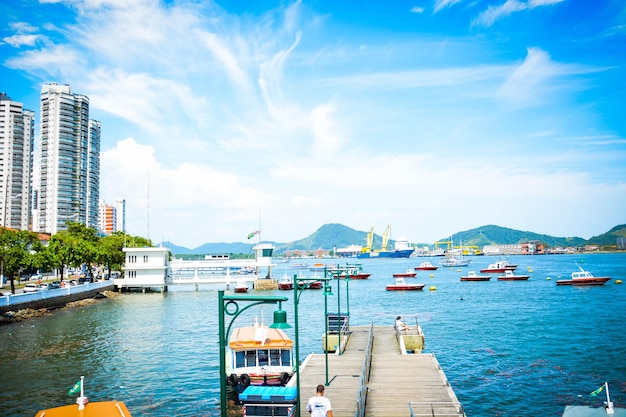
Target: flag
{"type": "Point", "coordinates": [251, 235]}
{"type": "Point", "coordinates": [598, 391]}
{"type": "Point", "coordinates": [75, 389]}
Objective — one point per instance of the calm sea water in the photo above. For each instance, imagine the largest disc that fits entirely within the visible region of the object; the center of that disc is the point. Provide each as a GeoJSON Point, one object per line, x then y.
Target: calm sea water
{"type": "Point", "coordinates": [508, 348]}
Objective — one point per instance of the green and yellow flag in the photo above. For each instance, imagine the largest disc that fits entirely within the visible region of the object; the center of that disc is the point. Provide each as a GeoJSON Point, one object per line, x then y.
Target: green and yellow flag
{"type": "Point", "coordinates": [598, 391]}
{"type": "Point", "coordinates": [75, 389]}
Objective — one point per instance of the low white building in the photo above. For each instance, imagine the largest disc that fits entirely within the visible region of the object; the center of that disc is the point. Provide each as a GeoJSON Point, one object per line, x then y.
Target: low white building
{"type": "Point", "coordinates": [145, 268]}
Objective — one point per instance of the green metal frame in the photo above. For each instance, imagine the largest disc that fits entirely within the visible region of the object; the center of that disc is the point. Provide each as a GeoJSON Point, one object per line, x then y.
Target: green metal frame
{"type": "Point", "coordinates": [226, 301]}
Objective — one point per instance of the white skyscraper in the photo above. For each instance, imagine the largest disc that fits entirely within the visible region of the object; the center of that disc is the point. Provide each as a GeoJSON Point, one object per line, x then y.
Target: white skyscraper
{"type": "Point", "coordinates": [70, 160]}
{"type": "Point", "coordinates": [120, 209]}
{"type": "Point", "coordinates": [17, 132]}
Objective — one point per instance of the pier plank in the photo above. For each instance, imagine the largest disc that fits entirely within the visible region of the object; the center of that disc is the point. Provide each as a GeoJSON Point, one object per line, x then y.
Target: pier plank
{"type": "Point", "coordinates": [395, 379]}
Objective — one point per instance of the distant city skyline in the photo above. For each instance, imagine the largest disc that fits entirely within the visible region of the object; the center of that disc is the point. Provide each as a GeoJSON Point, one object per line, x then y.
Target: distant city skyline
{"type": "Point", "coordinates": [219, 119]}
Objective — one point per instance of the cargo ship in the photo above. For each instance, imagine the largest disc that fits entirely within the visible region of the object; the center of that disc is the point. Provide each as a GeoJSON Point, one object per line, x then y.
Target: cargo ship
{"type": "Point", "coordinates": [402, 249]}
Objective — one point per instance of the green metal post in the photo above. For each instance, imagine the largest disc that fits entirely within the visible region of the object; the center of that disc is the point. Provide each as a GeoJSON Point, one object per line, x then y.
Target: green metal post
{"type": "Point", "coordinates": [339, 310]}
{"type": "Point", "coordinates": [326, 329]}
{"type": "Point", "coordinates": [222, 355]}
{"type": "Point", "coordinates": [296, 301]}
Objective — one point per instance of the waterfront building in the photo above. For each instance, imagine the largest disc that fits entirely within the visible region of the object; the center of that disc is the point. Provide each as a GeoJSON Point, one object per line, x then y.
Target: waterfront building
{"type": "Point", "coordinates": [17, 134]}
{"type": "Point", "coordinates": [69, 187]}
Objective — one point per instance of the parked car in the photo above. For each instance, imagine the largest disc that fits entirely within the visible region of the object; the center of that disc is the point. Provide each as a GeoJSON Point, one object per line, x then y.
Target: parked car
{"type": "Point", "coordinates": [32, 287]}
{"type": "Point", "coordinates": [54, 285]}
{"type": "Point", "coordinates": [36, 277]}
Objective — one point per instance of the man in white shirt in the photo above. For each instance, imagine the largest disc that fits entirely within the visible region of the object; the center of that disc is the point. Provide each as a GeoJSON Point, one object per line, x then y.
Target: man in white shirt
{"type": "Point", "coordinates": [400, 326]}
{"type": "Point", "coordinates": [319, 406]}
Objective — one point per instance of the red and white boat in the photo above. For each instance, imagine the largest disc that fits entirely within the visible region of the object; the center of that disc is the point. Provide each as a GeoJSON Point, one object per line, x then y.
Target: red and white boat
{"type": "Point", "coordinates": [499, 267]}
{"type": "Point", "coordinates": [510, 276]}
{"type": "Point", "coordinates": [426, 266]}
{"type": "Point", "coordinates": [285, 283]}
{"type": "Point", "coordinates": [471, 276]}
{"type": "Point", "coordinates": [401, 285]}
{"type": "Point", "coordinates": [360, 275]}
{"type": "Point", "coordinates": [406, 274]}
{"type": "Point", "coordinates": [582, 277]}
{"type": "Point", "coordinates": [241, 286]}
{"type": "Point", "coordinates": [310, 285]}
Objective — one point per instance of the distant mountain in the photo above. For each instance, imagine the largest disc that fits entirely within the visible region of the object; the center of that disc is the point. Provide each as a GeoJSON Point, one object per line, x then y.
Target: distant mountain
{"type": "Point", "coordinates": [609, 238]}
{"type": "Point", "coordinates": [497, 235]}
{"type": "Point", "coordinates": [340, 236]}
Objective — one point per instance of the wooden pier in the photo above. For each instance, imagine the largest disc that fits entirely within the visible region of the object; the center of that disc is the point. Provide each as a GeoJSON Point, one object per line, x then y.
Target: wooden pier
{"type": "Point", "coordinates": [372, 378]}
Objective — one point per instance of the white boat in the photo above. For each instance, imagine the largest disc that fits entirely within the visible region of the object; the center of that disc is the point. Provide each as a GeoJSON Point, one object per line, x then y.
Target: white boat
{"type": "Point", "coordinates": [582, 277]}
{"type": "Point", "coordinates": [471, 276]}
{"type": "Point", "coordinates": [401, 285]}
{"type": "Point", "coordinates": [241, 286]}
{"type": "Point", "coordinates": [510, 276]}
{"type": "Point", "coordinates": [285, 283]}
{"type": "Point", "coordinates": [609, 409]}
{"type": "Point", "coordinates": [259, 355]}
{"type": "Point", "coordinates": [454, 261]}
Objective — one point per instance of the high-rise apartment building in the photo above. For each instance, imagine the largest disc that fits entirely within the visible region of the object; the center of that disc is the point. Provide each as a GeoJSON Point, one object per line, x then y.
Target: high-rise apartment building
{"type": "Point", "coordinates": [120, 209]}
{"type": "Point", "coordinates": [17, 135]}
{"type": "Point", "coordinates": [108, 219]}
{"type": "Point", "coordinates": [69, 187]}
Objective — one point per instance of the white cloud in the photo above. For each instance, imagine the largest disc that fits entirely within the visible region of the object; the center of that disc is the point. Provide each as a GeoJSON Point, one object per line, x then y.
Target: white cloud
{"type": "Point", "coordinates": [21, 40]}
{"type": "Point", "coordinates": [493, 13]}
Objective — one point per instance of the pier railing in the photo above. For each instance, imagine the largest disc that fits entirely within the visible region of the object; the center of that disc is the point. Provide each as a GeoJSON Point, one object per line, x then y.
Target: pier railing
{"type": "Point", "coordinates": [436, 409]}
{"type": "Point", "coordinates": [365, 375]}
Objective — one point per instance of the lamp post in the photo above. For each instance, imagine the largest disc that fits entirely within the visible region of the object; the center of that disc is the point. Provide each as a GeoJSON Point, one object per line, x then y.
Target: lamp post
{"type": "Point", "coordinates": [228, 305]}
{"type": "Point", "coordinates": [297, 292]}
{"type": "Point", "coordinates": [327, 291]}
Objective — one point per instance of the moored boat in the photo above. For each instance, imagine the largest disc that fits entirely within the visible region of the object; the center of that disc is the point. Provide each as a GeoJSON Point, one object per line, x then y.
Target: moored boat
{"type": "Point", "coordinates": [310, 285]}
{"type": "Point", "coordinates": [84, 408]}
{"type": "Point", "coordinates": [259, 355]}
{"type": "Point", "coordinates": [406, 274]}
{"type": "Point", "coordinates": [510, 276]}
{"type": "Point", "coordinates": [285, 283]}
{"type": "Point", "coordinates": [426, 266]}
{"type": "Point", "coordinates": [499, 267]}
{"type": "Point", "coordinates": [455, 261]}
{"type": "Point", "coordinates": [582, 277]}
{"type": "Point", "coordinates": [401, 285]}
{"type": "Point", "coordinates": [241, 286]}
{"type": "Point", "coordinates": [471, 276]}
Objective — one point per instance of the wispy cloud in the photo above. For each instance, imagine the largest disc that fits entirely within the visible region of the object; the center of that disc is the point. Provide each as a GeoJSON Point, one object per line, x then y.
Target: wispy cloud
{"type": "Point", "coordinates": [442, 4]}
{"type": "Point", "coordinates": [493, 13]}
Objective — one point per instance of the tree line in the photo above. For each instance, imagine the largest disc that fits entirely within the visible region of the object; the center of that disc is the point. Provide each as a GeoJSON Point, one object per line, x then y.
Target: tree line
{"type": "Point", "coordinates": [21, 251]}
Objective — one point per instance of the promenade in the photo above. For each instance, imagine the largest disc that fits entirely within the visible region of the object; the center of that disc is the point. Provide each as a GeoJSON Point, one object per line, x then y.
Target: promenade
{"type": "Point", "coordinates": [391, 384]}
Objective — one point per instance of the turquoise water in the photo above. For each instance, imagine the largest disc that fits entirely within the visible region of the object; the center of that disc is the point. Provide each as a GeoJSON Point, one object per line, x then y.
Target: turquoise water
{"type": "Point", "coordinates": [508, 348]}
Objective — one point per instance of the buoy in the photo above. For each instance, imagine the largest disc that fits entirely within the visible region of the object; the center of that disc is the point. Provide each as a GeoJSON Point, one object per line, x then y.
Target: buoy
{"type": "Point", "coordinates": [458, 270]}
{"type": "Point", "coordinates": [618, 281]}
{"type": "Point", "coordinates": [548, 278]}
{"type": "Point", "coordinates": [433, 288]}
{"type": "Point", "coordinates": [432, 275]}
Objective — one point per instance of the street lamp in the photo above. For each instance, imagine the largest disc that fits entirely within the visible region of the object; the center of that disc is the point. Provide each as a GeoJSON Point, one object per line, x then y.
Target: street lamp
{"type": "Point", "coordinates": [228, 305]}
{"type": "Point", "coordinates": [297, 292]}
{"type": "Point", "coordinates": [327, 291]}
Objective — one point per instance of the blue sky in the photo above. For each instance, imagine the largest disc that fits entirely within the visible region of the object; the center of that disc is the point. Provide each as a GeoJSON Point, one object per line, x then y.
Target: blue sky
{"type": "Point", "coordinates": [431, 116]}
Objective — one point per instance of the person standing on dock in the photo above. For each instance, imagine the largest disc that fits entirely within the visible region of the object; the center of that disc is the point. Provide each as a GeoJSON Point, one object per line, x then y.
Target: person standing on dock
{"type": "Point", "coordinates": [319, 406]}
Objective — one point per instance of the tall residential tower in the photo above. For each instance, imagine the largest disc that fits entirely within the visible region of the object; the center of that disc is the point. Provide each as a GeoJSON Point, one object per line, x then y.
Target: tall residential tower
{"type": "Point", "coordinates": [17, 134]}
{"type": "Point", "coordinates": [69, 187]}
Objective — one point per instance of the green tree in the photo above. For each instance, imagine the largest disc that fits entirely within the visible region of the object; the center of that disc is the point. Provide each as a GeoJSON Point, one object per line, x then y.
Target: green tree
{"type": "Point", "coordinates": [73, 247]}
{"type": "Point", "coordinates": [17, 252]}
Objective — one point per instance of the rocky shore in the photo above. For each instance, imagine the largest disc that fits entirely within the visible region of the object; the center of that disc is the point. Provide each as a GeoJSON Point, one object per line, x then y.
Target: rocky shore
{"type": "Point", "coordinates": [30, 313]}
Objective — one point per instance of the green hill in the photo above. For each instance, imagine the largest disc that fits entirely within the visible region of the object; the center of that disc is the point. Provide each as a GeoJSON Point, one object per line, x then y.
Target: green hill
{"type": "Point", "coordinates": [340, 236]}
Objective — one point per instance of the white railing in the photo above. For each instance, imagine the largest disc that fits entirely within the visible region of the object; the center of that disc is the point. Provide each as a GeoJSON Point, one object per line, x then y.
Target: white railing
{"type": "Point", "coordinates": [16, 299]}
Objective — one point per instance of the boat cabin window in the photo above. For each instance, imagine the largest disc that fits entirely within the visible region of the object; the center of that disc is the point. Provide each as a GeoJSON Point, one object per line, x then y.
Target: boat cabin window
{"type": "Point", "coordinates": [286, 357]}
{"type": "Point", "coordinates": [273, 357]}
{"type": "Point", "coordinates": [263, 358]}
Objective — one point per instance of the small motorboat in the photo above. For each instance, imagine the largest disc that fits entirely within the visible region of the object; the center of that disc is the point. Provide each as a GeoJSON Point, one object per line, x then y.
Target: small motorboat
{"type": "Point", "coordinates": [582, 277]}
{"type": "Point", "coordinates": [510, 276]}
{"type": "Point", "coordinates": [499, 267]}
{"type": "Point", "coordinates": [85, 408]}
{"type": "Point", "coordinates": [241, 286]}
{"type": "Point", "coordinates": [310, 285]}
{"type": "Point", "coordinates": [285, 283]}
{"type": "Point", "coordinates": [426, 266]}
{"type": "Point", "coordinates": [360, 275]}
{"type": "Point", "coordinates": [471, 276]}
{"type": "Point", "coordinates": [401, 285]}
{"type": "Point", "coordinates": [406, 274]}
